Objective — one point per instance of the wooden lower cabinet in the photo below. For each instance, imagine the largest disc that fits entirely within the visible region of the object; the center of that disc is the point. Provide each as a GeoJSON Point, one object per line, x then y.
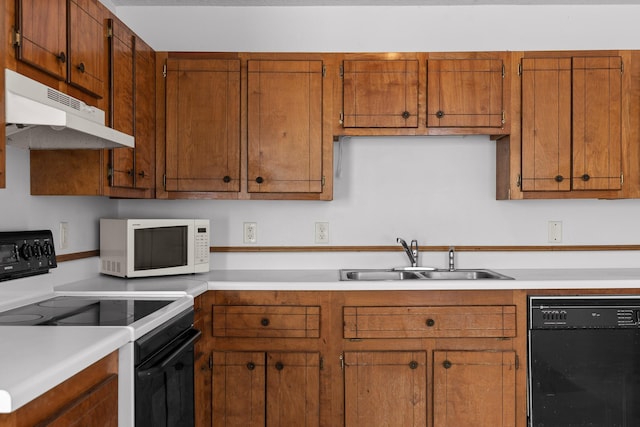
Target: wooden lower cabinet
{"type": "Point", "coordinates": [362, 359]}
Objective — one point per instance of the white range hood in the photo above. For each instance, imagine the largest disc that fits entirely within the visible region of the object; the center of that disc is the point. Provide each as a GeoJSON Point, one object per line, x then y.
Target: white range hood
{"type": "Point", "coordinates": [39, 117]}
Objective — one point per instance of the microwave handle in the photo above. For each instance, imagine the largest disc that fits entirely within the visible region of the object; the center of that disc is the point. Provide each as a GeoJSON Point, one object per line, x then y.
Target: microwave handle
{"type": "Point", "coordinates": [162, 364]}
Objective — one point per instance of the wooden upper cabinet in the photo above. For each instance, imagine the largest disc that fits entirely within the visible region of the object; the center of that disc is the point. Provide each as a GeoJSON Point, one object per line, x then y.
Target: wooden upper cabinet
{"type": "Point", "coordinates": [380, 93]}
{"type": "Point", "coordinates": [474, 388]}
{"type": "Point", "coordinates": [572, 123]}
{"type": "Point", "coordinates": [121, 68]}
{"type": "Point", "coordinates": [285, 121]}
{"type": "Point", "coordinates": [202, 125]}
{"type": "Point", "coordinates": [86, 46]}
{"type": "Point", "coordinates": [385, 388]}
{"type": "Point", "coordinates": [465, 93]}
{"type": "Point", "coordinates": [144, 116]}
{"type": "Point", "coordinates": [41, 38]}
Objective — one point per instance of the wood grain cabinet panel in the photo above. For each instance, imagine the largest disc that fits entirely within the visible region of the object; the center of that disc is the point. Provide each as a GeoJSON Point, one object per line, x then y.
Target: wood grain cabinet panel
{"type": "Point", "coordinates": [572, 123]}
{"type": "Point", "coordinates": [465, 93]}
{"type": "Point", "coordinates": [380, 93]}
{"type": "Point", "coordinates": [86, 46]}
{"type": "Point", "coordinates": [202, 125]}
{"type": "Point", "coordinates": [284, 115]}
{"type": "Point", "coordinates": [266, 321]}
{"type": "Point", "coordinates": [429, 322]}
{"type": "Point", "coordinates": [474, 388]}
{"type": "Point", "coordinates": [384, 388]}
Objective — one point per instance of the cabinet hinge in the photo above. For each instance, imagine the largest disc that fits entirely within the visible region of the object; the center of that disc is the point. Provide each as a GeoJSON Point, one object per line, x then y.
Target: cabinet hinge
{"type": "Point", "coordinates": [341, 72]}
{"type": "Point", "coordinates": [621, 179]}
{"type": "Point", "coordinates": [341, 118]}
{"type": "Point", "coordinates": [621, 67]}
{"type": "Point", "coordinates": [164, 71]}
{"type": "Point", "coordinates": [324, 71]}
{"type": "Point", "coordinates": [519, 69]}
{"type": "Point", "coordinates": [16, 38]}
{"type": "Point", "coordinates": [517, 362]}
{"type": "Point", "coordinates": [164, 181]}
{"type": "Point", "coordinates": [110, 29]}
{"type": "Point", "coordinates": [503, 72]}
{"type": "Point", "coordinates": [342, 361]}
{"type": "Point", "coordinates": [504, 117]}
{"type": "Point", "coordinates": [321, 363]}
{"type": "Point", "coordinates": [323, 180]}
{"type": "Point", "coordinates": [211, 362]}
{"type": "Point", "coordinates": [519, 181]}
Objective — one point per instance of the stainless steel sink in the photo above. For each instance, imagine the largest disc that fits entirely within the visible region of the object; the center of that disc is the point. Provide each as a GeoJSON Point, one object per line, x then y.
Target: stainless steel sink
{"type": "Point", "coordinates": [420, 274]}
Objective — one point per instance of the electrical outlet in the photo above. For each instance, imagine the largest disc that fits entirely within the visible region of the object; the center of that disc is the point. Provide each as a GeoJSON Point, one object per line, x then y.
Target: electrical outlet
{"type": "Point", "coordinates": [63, 242]}
{"type": "Point", "coordinates": [250, 232]}
{"type": "Point", "coordinates": [555, 231]}
{"type": "Point", "coordinates": [322, 232]}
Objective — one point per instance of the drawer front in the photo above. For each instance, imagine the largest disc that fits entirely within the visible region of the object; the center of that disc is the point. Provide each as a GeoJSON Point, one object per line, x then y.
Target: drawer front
{"type": "Point", "coordinates": [266, 321]}
{"type": "Point", "coordinates": [430, 322]}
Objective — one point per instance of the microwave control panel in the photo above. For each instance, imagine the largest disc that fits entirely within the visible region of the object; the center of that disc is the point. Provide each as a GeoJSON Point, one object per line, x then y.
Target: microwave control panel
{"type": "Point", "coordinates": [201, 255]}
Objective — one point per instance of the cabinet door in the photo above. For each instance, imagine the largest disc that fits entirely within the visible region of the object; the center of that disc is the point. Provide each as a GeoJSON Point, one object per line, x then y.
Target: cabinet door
{"type": "Point", "coordinates": [546, 124]}
{"type": "Point", "coordinates": [293, 389]}
{"type": "Point", "coordinates": [597, 123]}
{"type": "Point", "coordinates": [203, 125]}
{"type": "Point", "coordinates": [465, 93]}
{"type": "Point", "coordinates": [284, 126]}
{"type": "Point", "coordinates": [238, 389]}
{"type": "Point", "coordinates": [380, 94]}
{"type": "Point", "coordinates": [86, 46]}
{"type": "Point", "coordinates": [42, 25]}
{"type": "Point", "coordinates": [385, 388]}
{"type": "Point", "coordinates": [144, 116]}
{"type": "Point", "coordinates": [122, 53]}
{"type": "Point", "coordinates": [474, 388]}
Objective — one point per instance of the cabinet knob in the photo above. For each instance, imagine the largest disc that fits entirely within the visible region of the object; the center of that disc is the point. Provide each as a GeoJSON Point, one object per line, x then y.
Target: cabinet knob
{"type": "Point", "coordinates": [62, 57]}
{"type": "Point", "coordinates": [413, 364]}
{"type": "Point", "coordinates": [130, 172]}
{"type": "Point", "coordinates": [259, 180]}
{"type": "Point", "coordinates": [227, 178]}
{"type": "Point", "coordinates": [80, 67]}
{"type": "Point", "coordinates": [251, 366]}
{"type": "Point", "coordinates": [406, 114]}
{"type": "Point", "coordinates": [559, 178]}
{"type": "Point", "coordinates": [439, 114]}
{"type": "Point", "coordinates": [430, 322]}
{"type": "Point", "coordinates": [264, 322]}
{"type": "Point", "coordinates": [141, 174]}
{"type": "Point", "coordinates": [279, 366]}
{"type": "Point", "coordinates": [585, 177]}
{"type": "Point", "coordinates": [446, 364]}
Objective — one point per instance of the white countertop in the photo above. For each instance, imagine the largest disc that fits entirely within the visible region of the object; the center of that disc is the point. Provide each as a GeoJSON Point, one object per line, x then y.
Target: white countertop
{"type": "Point", "coordinates": [37, 358]}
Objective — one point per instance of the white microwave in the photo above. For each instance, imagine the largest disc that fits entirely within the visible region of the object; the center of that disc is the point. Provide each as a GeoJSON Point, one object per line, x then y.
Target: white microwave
{"type": "Point", "coordinates": [153, 247]}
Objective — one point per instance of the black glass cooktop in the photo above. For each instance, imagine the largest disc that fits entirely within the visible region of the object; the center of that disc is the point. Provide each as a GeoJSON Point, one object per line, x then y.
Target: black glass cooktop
{"type": "Point", "coordinates": [81, 311]}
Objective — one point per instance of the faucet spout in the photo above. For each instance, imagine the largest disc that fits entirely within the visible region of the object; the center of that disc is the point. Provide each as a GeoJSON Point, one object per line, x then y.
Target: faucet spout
{"type": "Point", "coordinates": [411, 251]}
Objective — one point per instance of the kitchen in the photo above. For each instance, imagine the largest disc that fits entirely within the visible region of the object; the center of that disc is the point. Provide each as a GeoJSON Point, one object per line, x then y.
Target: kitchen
{"type": "Point", "coordinates": [428, 184]}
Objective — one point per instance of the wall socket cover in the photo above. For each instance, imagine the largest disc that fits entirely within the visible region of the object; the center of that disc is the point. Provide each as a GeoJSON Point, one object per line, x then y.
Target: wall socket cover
{"type": "Point", "coordinates": [555, 232]}
{"type": "Point", "coordinates": [322, 232]}
{"type": "Point", "coordinates": [250, 232]}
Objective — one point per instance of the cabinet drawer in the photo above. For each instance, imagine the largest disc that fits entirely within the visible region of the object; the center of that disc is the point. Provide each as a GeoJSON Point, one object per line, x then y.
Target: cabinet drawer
{"type": "Point", "coordinates": [266, 321]}
{"type": "Point", "coordinates": [430, 322]}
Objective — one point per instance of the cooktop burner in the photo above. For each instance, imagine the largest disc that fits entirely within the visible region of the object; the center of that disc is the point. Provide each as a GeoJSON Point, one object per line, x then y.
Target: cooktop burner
{"type": "Point", "coordinates": [81, 311]}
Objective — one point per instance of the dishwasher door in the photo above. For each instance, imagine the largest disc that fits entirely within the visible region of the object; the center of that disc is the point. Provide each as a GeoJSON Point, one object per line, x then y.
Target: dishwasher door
{"type": "Point", "coordinates": [584, 366]}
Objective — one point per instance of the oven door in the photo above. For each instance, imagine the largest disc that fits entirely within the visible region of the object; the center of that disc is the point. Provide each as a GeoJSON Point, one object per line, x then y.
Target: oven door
{"type": "Point", "coordinates": [164, 393]}
{"type": "Point", "coordinates": [584, 377]}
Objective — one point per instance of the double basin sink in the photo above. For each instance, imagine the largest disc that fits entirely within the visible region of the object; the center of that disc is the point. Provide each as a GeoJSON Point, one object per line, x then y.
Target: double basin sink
{"type": "Point", "coordinates": [417, 273]}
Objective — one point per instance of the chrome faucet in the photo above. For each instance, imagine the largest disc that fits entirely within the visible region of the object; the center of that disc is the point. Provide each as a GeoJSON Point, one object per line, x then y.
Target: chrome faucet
{"type": "Point", "coordinates": [452, 261]}
{"type": "Point", "coordinates": [412, 252]}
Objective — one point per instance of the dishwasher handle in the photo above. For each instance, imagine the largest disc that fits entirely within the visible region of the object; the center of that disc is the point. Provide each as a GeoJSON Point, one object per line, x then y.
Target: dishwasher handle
{"type": "Point", "coordinates": [192, 336]}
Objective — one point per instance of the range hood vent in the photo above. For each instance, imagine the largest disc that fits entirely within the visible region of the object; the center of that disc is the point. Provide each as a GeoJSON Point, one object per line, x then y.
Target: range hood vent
{"type": "Point", "coordinates": [39, 117]}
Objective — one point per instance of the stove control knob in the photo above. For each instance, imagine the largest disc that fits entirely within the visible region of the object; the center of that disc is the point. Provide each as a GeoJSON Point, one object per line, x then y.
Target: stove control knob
{"type": "Point", "coordinates": [47, 249]}
{"type": "Point", "coordinates": [37, 250]}
{"type": "Point", "coordinates": [26, 251]}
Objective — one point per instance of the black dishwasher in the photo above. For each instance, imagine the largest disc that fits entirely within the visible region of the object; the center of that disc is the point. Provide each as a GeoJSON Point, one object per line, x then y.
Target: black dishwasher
{"type": "Point", "coordinates": [584, 361]}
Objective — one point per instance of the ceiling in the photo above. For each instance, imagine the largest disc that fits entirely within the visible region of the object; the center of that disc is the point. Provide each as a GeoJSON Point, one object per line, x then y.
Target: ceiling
{"type": "Point", "coordinates": [362, 2]}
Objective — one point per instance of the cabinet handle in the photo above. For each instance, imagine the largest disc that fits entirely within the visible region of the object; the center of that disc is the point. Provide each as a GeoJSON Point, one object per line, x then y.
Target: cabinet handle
{"type": "Point", "coordinates": [446, 364]}
{"type": "Point", "coordinates": [259, 180]}
{"type": "Point", "coordinates": [585, 177]}
{"type": "Point", "coordinates": [264, 322]}
{"type": "Point", "coordinates": [141, 174]}
{"type": "Point", "coordinates": [80, 67]}
{"type": "Point", "coordinates": [406, 114]}
{"type": "Point", "coordinates": [430, 322]}
{"type": "Point", "coordinates": [559, 178]}
{"type": "Point", "coordinates": [62, 57]}
{"type": "Point", "coordinates": [251, 366]}
{"type": "Point", "coordinates": [413, 364]}
{"type": "Point", "coordinates": [227, 178]}
{"type": "Point", "coordinates": [439, 114]}
{"type": "Point", "coordinates": [279, 366]}
{"type": "Point", "coordinates": [130, 172]}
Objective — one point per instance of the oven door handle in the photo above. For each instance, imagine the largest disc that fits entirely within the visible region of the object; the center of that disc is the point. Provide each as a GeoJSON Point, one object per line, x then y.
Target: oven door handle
{"type": "Point", "coordinates": [159, 367]}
